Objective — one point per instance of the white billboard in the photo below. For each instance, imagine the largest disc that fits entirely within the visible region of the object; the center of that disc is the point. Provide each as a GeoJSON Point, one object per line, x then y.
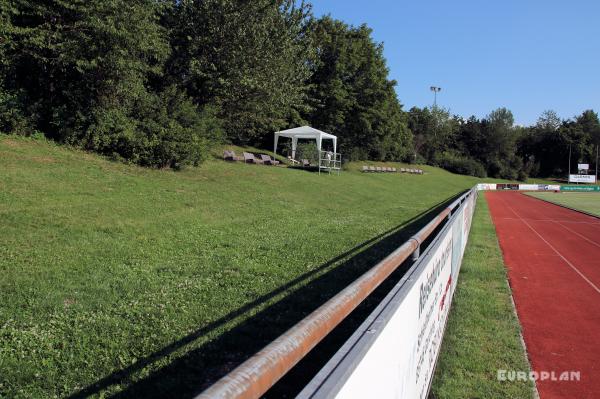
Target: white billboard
{"type": "Point", "coordinates": [583, 166]}
{"type": "Point", "coordinates": [486, 186]}
{"type": "Point", "coordinates": [582, 179]}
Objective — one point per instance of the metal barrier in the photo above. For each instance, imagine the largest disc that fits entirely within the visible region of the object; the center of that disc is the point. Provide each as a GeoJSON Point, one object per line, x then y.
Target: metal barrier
{"type": "Point", "coordinates": [259, 373]}
{"type": "Point", "coordinates": [329, 161]}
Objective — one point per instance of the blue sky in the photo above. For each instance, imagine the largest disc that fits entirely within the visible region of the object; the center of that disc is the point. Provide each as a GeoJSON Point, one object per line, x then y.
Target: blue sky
{"type": "Point", "coordinates": [527, 55]}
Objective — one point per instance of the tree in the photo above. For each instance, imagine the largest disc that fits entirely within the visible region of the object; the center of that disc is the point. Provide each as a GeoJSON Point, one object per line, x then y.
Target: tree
{"type": "Point", "coordinates": [249, 58]}
{"type": "Point", "coordinates": [583, 133]}
{"type": "Point", "coordinates": [500, 151]}
{"type": "Point", "coordinates": [85, 72]}
{"type": "Point", "coordinates": [352, 96]}
{"type": "Point", "coordinates": [12, 119]}
{"type": "Point", "coordinates": [543, 146]}
{"type": "Point", "coordinates": [548, 121]}
{"type": "Point", "coordinates": [434, 131]}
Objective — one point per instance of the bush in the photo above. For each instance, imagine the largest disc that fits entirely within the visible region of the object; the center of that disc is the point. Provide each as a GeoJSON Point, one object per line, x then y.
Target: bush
{"type": "Point", "coordinates": [460, 164]}
{"type": "Point", "coordinates": [12, 119]}
{"type": "Point", "coordinates": [308, 150]}
{"type": "Point", "coordinates": [165, 130]}
{"type": "Point", "coordinates": [357, 154]}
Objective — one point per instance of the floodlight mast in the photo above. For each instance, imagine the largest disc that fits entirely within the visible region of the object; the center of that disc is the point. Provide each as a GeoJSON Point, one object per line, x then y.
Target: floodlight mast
{"type": "Point", "coordinates": [435, 91]}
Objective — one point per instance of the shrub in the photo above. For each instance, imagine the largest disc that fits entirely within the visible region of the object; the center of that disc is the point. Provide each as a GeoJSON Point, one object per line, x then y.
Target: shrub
{"type": "Point", "coordinates": [164, 130]}
{"type": "Point", "coordinates": [460, 164]}
{"type": "Point", "coordinates": [12, 119]}
{"type": "Point", "coordinates": [357, 154]}
{"type": "Point", "coordinates": [308, 150]}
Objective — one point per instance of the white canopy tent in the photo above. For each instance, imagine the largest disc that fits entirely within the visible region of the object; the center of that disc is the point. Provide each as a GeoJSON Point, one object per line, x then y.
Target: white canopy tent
{"type": "Point", "coordinates": [304, 132]}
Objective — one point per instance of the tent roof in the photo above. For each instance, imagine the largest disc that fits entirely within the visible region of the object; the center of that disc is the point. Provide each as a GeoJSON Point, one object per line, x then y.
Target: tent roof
{"type": "Point", "coordinates": [305, 132]}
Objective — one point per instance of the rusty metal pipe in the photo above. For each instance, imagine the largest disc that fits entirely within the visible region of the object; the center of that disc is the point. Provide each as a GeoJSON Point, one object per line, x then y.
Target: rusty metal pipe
{"type": "Point", "coordinates": [260, 372]}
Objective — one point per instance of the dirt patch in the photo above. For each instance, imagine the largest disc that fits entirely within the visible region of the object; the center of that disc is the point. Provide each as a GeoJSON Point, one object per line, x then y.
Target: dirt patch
{"type": "Point", "coordinates": [43, 159]}
{"type": "Point", "coordinates": [11, 143]}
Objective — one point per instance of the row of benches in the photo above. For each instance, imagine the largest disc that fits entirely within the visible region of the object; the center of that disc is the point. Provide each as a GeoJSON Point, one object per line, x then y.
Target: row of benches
{"type": "Point", "coordinates": [248, 157]}
{"type": "Point", "coordinates": [388, 169]}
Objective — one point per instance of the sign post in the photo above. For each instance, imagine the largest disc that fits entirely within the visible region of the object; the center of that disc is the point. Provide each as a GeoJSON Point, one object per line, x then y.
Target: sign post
{"type": "Point", "coordinates": [583, 175]}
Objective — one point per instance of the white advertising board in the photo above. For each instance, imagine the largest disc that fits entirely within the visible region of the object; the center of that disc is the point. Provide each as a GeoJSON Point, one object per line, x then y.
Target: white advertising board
{"type": "Point", "coordinates": [486, 186]}
{"type": "Point", "coordinates": [529, 187]}
{"type": "Point", "coordinates": [400, 362]}
{"type": "Point", "coordinates": [524, 187]}
{"type": "Point", "coordinates": [583, 166]}
{"type": "Point", "coordinates": [548, 187]}
{"type": "Point", "coordinates": [582, 179]}
{"type": "Point", "coordinates": [394, 352]}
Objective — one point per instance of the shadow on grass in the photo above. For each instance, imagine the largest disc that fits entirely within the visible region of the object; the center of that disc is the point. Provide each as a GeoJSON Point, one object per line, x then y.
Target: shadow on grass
{"type": "Point", "coordinates": [197, 369]}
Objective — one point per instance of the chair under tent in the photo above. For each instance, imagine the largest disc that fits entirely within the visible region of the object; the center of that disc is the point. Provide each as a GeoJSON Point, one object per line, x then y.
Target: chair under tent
{"type": "Point", "coordinates": [328, 161]}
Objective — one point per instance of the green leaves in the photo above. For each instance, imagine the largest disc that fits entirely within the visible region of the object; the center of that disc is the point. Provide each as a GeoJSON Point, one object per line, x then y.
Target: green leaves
{"type": "Point", "coordinates": [248, 58]}
{"type": "Point", "coordinates": [352, 96]}
{"type": "Point", "coordinates": [87, 74]}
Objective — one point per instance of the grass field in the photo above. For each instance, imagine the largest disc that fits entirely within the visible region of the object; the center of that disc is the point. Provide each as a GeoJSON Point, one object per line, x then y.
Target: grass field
{"type": "Point", "coordinates": [587, 202]}
{"type": "Point", "coordinates": [483, 332]}
{"type": "Point", "coordinates": [119, 279]}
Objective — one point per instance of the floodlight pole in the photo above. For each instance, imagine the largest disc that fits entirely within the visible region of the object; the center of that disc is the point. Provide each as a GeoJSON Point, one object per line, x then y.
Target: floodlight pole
{"type": "Point", "coordinates": [569, 177]}
{"type": "Point", "coordinates": [435, 91]}
{"type": "Point", "coordinates": [596, 163]}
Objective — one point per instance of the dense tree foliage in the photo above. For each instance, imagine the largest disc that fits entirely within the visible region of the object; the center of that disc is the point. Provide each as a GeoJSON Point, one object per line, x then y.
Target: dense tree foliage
{"type": "Point", "coordinates": [494, 147]}
{"type": "Point", "coordinates": [249, 58]}
{"type": "Point", "coordinates": [352, 95]}
{"type": "Point", "coordinates": [156, 82]}
{"type": "Point", "coordinates": [83, 72]}
{"type": "Point", "coordinates": [434, 131]}
{"type": "Point", "coordinates": [545, 146]}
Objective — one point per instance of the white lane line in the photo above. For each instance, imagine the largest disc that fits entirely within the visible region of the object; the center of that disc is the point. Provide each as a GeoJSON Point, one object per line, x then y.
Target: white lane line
{"type": "Point", "coordinates": [580, 235]}
{"type": "Point", "coordinates": [554, 249]}
{"type": "Point", "coordinates": [551, 220]}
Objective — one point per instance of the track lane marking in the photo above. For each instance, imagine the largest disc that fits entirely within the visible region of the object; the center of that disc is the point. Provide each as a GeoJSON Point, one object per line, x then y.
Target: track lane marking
{"type": "Point", "coordinates": [550, 220]}
{"type": "Point", "coordinates": [554, 249]}
{"type": "Point", "coordinates": [580, 235]}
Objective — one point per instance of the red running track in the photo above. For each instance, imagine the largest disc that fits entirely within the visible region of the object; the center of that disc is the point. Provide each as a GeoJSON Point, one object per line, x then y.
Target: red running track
{"type": "Point", "coordinates": [553, 260]}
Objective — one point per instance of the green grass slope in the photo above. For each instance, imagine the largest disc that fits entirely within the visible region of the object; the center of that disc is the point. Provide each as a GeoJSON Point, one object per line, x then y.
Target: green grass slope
{"type": "Point", "coordinates": [112, 272]}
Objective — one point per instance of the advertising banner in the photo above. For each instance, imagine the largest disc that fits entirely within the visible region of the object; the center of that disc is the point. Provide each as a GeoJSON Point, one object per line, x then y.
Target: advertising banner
{"type": "Point", "coordinates": [582, 179]}
{"type": "Point", "coordinates": [507, 186]}
{"type": "Point", "coordinates": [394, 352]}
{"type": "Point", "coordinates": [529, 187]}
{"type": "Point", "coordinates": [486, 186]}
{"type": "Point", "coordinates": [579, 188]}
{"type": "Point", "coordinates": [548, 187]}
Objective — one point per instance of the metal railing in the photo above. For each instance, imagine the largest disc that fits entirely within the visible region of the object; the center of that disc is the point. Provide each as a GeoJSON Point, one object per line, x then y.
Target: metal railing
{"type": "Point", "coordinates": [260, 372]}
{"type": "Point", "coordinates": [330, 161]}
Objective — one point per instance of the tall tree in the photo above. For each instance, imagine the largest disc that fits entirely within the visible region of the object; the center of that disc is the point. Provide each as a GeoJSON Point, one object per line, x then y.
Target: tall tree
{"type": "Point", "coordinates": [501, 140]}
{"type": "Point", "coordinates": [549, 120]}
{"type": "Point", "coordinates": [12, 119]}
{"type": "Point", "coordinates": [72, 56]}
{"type": "Point", "coordinates": [434, 131]}
{"type": "Point", "coordinates": [544, 145]}
{"type": "Point", "coordinates": [86, 70]}
{"type": "Point", "coordinates": [352, 96]}
{"type": "Point", "coordinates": [249, 58]}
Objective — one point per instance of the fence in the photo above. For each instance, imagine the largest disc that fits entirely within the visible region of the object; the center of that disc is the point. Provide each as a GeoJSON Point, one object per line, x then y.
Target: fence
{"type": "Point", "coordinates": [393, 353]}
{"type": "Point", "coordinates": [521, 187]}
{"type": "Point", "coordinates": [329, 161]}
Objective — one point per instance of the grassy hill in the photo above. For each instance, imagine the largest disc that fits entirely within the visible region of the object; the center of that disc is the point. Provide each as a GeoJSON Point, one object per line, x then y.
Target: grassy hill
{"type": "Point", "coordinates": [115, 277]}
